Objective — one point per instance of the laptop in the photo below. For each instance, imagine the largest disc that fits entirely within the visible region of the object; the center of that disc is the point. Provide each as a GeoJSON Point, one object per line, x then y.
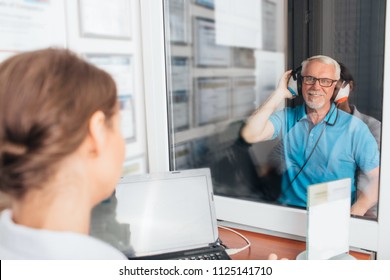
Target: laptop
{"type": "Point", "coordinates": [168, 215]}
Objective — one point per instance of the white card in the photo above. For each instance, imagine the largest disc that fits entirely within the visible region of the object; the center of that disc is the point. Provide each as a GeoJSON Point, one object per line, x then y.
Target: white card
{"type": "Point", "coordinates": [328, 212]}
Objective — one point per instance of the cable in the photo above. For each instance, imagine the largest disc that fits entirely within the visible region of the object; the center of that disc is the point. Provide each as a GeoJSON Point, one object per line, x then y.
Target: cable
{"type": "Point", "coordinates": [312, 151]}
{"type": "Point", "coordinates": [234, 251]}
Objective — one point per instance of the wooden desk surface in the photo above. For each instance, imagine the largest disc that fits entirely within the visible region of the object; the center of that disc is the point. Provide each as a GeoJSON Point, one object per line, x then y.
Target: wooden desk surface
{"type": "Point", "coordinates": [263, 245]}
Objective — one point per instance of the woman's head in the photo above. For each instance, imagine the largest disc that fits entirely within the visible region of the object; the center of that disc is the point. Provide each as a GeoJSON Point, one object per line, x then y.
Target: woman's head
{"type": "Point", "coordinates": [347, 76]}
{"type": "Point", "coordinates": [47, 99]}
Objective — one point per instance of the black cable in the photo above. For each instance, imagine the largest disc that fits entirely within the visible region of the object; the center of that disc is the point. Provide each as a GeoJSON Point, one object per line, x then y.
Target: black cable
{"type": "Point", "coordinates": [315, 146]}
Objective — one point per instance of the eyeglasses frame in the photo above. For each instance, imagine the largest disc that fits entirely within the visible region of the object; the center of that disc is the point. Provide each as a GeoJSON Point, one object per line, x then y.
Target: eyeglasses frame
{"type": "Point", "coordinates": [319, 81]}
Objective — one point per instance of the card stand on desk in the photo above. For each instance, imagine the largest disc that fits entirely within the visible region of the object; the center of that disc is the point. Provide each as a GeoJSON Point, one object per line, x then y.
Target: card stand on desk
{"type": "Point", "coordinates": [328, 217]}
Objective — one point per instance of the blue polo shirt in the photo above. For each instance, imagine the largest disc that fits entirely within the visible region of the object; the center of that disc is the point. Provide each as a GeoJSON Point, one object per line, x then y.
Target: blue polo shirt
{"type": "Point", "coordinates": [338, 145]}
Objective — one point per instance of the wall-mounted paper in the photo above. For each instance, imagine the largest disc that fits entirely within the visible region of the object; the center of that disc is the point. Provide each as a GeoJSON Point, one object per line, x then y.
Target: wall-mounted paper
{"type": "Point", "coordinates": [269, 69]}
{"type": "Point", "coordinates": [238, 23]}
{"type": "Point", "coordinates": [28, 25]}
{"type": "Point", "coordinates": [178, 21]}
{"type": "Point", "coordinates": [244, 95]}
{"type": "Point", "coordinates": [102, 19]}
{"type": "Point", "coordinates": [213, 99]}
{"type": "Point", "coordinates": [120, 67]}
{"type": "Point", "coordinates": [207, 51]}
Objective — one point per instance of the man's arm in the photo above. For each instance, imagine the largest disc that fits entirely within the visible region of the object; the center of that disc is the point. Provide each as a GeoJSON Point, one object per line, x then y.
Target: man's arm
{"type": "Point", "coordinates": [258, 127]}
{"type": "Point", "coordinates": [369, 196]}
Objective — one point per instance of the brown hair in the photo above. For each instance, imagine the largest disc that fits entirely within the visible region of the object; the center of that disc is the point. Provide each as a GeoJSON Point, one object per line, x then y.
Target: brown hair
{"type": "Point", "coordinates": [46, 100]}
{"type": "Point", "coordinates": [347, 76]}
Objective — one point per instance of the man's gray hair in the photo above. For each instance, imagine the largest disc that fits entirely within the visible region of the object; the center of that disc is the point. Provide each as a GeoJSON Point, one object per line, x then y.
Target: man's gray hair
{"type": "Point", "coordinates": [324, 59]}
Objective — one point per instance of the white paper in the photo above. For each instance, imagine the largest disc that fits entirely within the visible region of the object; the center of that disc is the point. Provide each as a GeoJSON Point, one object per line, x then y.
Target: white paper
{"type": "Point", "coordinates": [180, 74]}
{"type": "Point", "coordinates": [207, 52]}
{"type": "Point", "coordinates": [180, 112]}
{"type": "Point", "coordinates": [269, 70]}
{"type": "Point", "coordinates": [269, 19]}
{"type": "Point", "coordinates": [29, 25]}
{"type": "Point", "coordinates": [127, 118]}
{"type": "Point", "coordinates": [178, 21]}
{"type": "Point", "coordinates": [120, 67]}
{"type": "Point", "coordinates": [101, 18]}
{"type": "Point", "coordinates": [213, 102]}
{"type": "Point", "coordinates": [244, 96]}
{"type": "Point", "coordinates": [238, 23]}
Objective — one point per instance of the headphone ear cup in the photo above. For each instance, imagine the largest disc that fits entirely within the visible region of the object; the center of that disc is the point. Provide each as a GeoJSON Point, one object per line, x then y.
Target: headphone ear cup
{"type": "Point", "coordinates": [341, 92]}
{"type": "Point", "coordinates": [295, 82]}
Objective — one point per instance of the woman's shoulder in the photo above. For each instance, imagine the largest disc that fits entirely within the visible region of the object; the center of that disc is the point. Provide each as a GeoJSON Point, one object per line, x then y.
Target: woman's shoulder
{"type": "Point", "coordinates": [21, 242]}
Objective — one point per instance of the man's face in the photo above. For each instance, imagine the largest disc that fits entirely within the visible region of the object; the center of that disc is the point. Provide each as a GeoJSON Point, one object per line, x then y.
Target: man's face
{"type": "Point", "coordinates": [316, 96]}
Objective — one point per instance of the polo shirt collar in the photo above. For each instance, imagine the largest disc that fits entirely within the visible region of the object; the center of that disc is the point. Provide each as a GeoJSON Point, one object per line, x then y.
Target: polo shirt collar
{"type": "Point", "coordinates": [330, 117]}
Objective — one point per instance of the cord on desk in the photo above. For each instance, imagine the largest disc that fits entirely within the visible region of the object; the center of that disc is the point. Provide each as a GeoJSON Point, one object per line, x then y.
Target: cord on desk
{"type": "Point", "coordinates": [233, 251]}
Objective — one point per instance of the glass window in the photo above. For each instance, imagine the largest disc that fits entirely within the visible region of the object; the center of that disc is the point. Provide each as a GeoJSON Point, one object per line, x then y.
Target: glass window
{"type": "Point", "coordinates": [226, 58]}
{"type": "Point", "coordinates": [224, 61]}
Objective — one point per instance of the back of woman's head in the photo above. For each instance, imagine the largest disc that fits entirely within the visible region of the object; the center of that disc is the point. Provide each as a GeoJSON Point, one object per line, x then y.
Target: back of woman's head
{"type": "Point", "coordinates": [346, 75]}
{"type": "Point", "coordinates": [46, 100]}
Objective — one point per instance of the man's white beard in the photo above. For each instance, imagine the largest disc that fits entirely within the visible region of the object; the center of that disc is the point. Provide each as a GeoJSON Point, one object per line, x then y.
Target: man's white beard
{"type": "Point", "coordinates": [315, 105]}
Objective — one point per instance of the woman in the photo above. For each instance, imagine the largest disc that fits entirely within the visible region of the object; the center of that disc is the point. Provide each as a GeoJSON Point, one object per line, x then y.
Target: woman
{"type": "Point", "coordinates": [61, 152]}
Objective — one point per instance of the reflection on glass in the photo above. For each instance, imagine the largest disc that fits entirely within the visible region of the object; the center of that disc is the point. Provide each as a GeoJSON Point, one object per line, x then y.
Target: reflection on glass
{"type": "Point", "coordinates": [372, 123]}
{"type": "Point", "coordinates": [220, 75]}
{"type": "Point", "coordinates": [217, 79]}
{"type": "Point", "coordinates": [320, 143]}
{"type": "Point", "coordinates": [105, 225]}
{"type": "Point", "coordinates": [208, 52]}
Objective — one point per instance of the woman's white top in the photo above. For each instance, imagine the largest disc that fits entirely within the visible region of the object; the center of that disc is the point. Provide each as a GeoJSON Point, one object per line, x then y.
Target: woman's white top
{"type": "Point", "coordinates": [21, 242]}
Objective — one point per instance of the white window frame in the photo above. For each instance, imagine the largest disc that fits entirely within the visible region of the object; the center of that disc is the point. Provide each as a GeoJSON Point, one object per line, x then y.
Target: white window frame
{"type": "Point", "coordinates": [365, 234]}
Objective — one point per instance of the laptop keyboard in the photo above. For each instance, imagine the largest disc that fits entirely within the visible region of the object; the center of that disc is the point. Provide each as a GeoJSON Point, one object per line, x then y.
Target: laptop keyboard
{"type": "Point", "coordinates": [211, 256]}
{"type": "Point", "coordinates": [208, 253]}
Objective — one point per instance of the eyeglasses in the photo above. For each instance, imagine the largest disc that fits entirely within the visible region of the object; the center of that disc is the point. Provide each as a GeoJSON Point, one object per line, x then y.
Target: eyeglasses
{"type": "Point", "coordinates": [324, 82]}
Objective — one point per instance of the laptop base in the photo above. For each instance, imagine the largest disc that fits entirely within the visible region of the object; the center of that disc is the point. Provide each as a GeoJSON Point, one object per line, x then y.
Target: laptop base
{"type": "Point", "coordinates": [207, 253]}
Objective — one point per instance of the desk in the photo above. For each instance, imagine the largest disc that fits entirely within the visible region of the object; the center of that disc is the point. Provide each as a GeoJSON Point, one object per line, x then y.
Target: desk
{"type": "Point", "coordinates": [263, 245]}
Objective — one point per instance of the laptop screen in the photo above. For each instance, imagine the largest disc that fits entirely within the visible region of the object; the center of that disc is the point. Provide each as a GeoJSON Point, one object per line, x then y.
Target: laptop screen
{"type": "Point", "coordinates": [163, 213]}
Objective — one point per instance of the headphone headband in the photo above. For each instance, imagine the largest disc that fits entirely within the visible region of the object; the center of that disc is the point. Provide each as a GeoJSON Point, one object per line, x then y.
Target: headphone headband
{"type": "Point", "coordinates": [341, 91]}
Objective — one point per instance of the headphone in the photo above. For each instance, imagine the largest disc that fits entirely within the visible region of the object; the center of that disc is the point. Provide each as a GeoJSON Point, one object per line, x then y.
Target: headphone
{"type": "Point", "coordinates": [295, 82]}
{"type": "Point", "coordinates": [340, 93]}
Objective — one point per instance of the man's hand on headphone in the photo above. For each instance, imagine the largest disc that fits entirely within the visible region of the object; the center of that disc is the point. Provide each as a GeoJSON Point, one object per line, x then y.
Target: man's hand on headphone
{"type": "Point", "coordinates": [282, 86]}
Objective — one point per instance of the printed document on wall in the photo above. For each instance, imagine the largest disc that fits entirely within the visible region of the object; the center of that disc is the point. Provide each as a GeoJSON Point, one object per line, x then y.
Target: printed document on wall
{"type": "Point", "coordinates": [238, 23]}
{"type": "Point", "coordinates": [207, 51]}
{"type": "Point", "coordinates": [28, 25]}
{"type": "Point", "coordinates": [105, 19]}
